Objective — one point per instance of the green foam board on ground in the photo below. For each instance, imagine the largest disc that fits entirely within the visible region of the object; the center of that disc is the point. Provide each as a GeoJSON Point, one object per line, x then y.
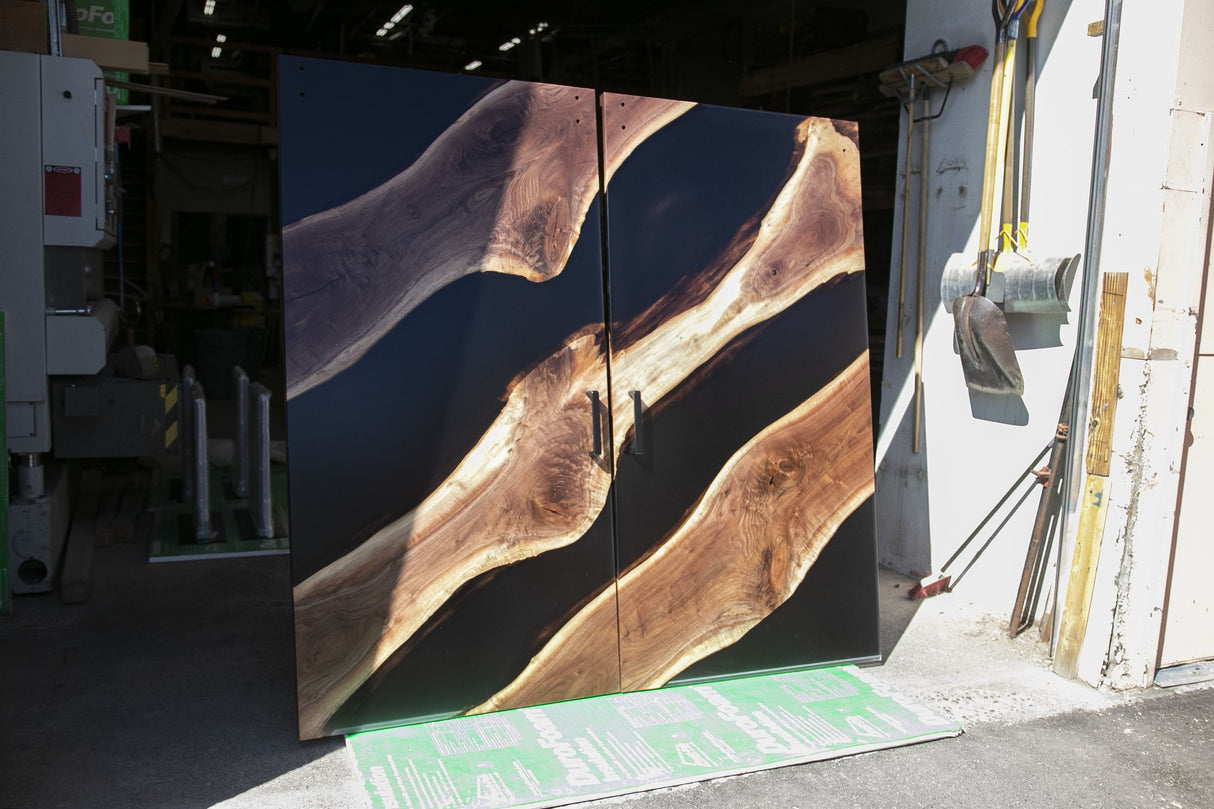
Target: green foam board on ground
{"type": "Point", "coordinates": [593, 748]}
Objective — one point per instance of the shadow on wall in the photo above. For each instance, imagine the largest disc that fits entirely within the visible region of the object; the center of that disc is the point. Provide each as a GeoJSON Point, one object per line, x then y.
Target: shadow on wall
{"type": "Point", "coordinates": [1002, 409]}
{"type": "Point", "coordinates": [903, 506]}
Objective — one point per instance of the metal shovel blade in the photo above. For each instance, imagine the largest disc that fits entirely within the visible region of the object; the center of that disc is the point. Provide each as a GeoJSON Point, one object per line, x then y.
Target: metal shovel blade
{"type": "Point", "coordinates": [987, 355]}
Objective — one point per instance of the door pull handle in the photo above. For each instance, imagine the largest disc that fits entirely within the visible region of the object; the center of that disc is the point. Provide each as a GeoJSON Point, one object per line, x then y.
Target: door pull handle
{"type": "Point", "coordinates": [596, 424]}
{"type": "Point", "coordinates": [636, 447]}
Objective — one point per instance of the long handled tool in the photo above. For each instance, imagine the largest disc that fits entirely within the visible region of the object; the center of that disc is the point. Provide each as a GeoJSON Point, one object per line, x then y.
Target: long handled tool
{"type": "Point", "coordinates": [942, 582]}
{"type": "Point", "coordinates": [1031, 285]}
{"type": "Point", "coordinates": [988, 357]}
{"type": "Point", "coordinates": [1030, 103]}
{"type": "Point", "coordinates": [1042, 286]}
{"type": "Point", "coordinates": [1007, 208]}
{"type": "Point", "coordinates": [1028, 285]}
{"type": "Point", "coordinates": [921, 268]}
{"type": "Point", "coordinates": [1036, 558]}
{"type": "Point", "coordinates": [910, 133]}
{"type": "Point", "coordinates": [941, 69]}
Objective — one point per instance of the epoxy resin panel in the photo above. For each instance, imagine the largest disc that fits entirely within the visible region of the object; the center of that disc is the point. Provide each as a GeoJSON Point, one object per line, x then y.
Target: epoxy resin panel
{"type": "Point", "coordinates": [451, 395]}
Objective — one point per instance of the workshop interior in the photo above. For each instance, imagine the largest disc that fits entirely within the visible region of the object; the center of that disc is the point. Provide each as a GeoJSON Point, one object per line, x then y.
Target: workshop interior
{"type": "Point", "coordinates": [565, 350]}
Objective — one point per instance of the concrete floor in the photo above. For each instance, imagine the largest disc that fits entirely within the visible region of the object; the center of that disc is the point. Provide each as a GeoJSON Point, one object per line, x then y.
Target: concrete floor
{"type": "Point", "coordinates": [174, 688]}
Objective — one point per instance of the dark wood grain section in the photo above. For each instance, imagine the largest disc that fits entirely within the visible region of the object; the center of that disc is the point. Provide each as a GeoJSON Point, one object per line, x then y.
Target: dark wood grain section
{"type": "Point", "coordinates": [811, 234]}
{"type": "Point", "coordinates": [529, 484]}
{"type": "Point", "coordinates": [504, 189]}
{"type": "Point", "coordinates": [739, 555]}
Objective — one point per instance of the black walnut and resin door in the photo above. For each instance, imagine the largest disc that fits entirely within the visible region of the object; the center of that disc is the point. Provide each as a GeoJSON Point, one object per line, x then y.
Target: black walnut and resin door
{"type": "Point", "coordinates": [740, 386]}
{"type": "Point", "coordinates": [445, 343]}
{"type": "Point", "coordinates": [740, 406]}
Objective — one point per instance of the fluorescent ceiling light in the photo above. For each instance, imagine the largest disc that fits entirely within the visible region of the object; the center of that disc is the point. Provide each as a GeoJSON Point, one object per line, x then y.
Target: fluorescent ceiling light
{"type": "Point", "coordinates": [508, 44]}
{"type": "Point", "coordinates": [208, 8]}
{"type": "Point", "coordinates": [216, 51]}
{"type": "Point", "coordinates": [473, 65]}
{"type": "Point", "coordinates": [397, 17]}
{"type": "Point", "coordinates": [221, 38]}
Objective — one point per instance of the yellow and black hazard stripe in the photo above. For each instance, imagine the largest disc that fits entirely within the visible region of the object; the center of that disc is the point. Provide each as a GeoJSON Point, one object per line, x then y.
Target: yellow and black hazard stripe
{"type": "Point", "coordinates": [169, 395]}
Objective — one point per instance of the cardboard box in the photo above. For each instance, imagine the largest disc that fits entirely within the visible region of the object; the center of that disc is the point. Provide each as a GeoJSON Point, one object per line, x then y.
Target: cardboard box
{"type": "Point", "coordinates": [23, 26]}
{"type": "Point", "coordinates": [109, 54]}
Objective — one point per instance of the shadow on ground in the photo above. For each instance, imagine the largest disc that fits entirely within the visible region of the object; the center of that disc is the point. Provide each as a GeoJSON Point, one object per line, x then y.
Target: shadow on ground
{"type": "Point", "coordinates": [173, 686]}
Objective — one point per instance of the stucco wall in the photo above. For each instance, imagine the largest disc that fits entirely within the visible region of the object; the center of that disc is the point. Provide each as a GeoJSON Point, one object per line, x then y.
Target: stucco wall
{"type": "Point", "coordinates": [975, 445]}
{"type": "Point", "coordinates": [1156, 228]}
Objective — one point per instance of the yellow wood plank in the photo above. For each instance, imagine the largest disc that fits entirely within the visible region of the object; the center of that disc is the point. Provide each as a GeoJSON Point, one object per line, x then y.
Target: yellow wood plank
{"type": "Point", "coordinates": [1094, 510]}
{"type": "Point", "coordinates": [1107, 360]}
{"type": "Point", "coordinates": [1082, 580]}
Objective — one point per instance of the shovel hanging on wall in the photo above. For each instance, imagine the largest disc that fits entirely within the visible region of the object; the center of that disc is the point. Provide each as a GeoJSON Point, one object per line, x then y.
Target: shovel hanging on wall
{"type": "Point", "coordinates": [988, 357]}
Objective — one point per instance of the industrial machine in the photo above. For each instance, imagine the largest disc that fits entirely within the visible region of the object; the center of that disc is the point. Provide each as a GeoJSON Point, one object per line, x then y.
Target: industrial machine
{"type": "Point", "coordinates": [58, 212]}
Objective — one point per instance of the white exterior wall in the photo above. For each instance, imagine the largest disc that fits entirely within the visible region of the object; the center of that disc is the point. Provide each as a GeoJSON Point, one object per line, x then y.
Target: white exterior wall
{"type": "Point", "coordinates": [1156, 227]}
{"type": "Point", "coordinates": [1171, 101]}
{"type": "Point", "coordinates": [975, 445]}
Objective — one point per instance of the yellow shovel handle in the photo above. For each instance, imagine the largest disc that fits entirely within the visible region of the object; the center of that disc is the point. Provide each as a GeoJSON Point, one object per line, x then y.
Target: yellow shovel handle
{"type": "Point", "coordinates": [1030, 24]}
{"type": "Point", "coordinates": [990, 162]}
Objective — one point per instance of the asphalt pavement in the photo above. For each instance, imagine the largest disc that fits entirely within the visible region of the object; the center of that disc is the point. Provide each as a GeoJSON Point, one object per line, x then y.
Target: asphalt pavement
{"type": "Point", "coordinates": [173, 687]}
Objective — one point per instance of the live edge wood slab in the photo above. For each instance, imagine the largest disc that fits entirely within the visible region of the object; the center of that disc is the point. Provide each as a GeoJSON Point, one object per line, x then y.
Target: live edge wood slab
{"type": "Point", "coordinates": [529, 485]}
{"type": "Point", "coordinates": [738, 556]}
{"type": "Point", "coordinates": [505, 189]}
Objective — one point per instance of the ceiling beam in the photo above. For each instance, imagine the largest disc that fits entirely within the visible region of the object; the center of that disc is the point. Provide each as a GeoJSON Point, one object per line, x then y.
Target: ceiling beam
{"type": "Point", "coordinates": [870, 56]}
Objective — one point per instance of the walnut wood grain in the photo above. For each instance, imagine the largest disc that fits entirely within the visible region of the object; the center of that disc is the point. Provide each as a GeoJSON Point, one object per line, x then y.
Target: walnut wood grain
{"type": "Point", "coordinates": [529, 484]}
{"type": "Point", "coordinates": [740, 553]}
{"type": "Point", "coordinates": [811, 234]}
{"type": "Point", "coordinates": [504, 189]}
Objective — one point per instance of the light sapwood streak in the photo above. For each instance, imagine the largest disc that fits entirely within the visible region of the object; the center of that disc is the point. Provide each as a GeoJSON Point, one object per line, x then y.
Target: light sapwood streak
{"type": "Point", "coordinates": [741, 553]}
{"type": "Point", "coordinates": [504, 189]}
{"type": "Point", "coordinates": [529, 485]}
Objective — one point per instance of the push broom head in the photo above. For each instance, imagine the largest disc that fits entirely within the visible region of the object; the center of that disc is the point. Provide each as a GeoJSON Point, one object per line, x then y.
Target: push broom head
{"type": "Point", "coordinates": [929, 587]}
{"type": "Point", "coordinates": [972, 55]}
{"type": "Point", "coordinates": [938, 68]}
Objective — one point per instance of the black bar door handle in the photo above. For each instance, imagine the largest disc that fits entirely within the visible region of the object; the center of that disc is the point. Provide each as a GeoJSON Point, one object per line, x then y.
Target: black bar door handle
{"type": "Point", "coordinates": [596, 424]}
{"type": "Point", "coordinates": [636, 447]}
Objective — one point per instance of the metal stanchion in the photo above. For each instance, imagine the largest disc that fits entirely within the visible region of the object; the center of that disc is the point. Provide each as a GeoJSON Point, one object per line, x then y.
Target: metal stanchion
{"type": "Point", "coordinates": [203, 531]}
{"type": "Point", "coordinates": [185, 409]}
{"type": "Point", "coordinates": [260, 501]}
{"type": "Point", "coordinates": [240, 461]}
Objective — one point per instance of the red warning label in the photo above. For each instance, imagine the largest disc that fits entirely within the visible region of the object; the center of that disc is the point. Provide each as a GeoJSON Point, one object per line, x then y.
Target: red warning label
{"type": "Point", "coordinates": [62, 194]}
